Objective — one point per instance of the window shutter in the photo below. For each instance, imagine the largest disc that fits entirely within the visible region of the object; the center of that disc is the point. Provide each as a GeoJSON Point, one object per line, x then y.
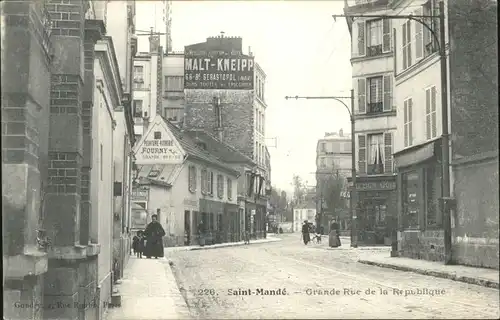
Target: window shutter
{"type": "Point", "coordinates": [388, 92]}
{"type": "Point", "coordinates": [433, 112]}
{"type": "Point", "coordinates": [419, 36]}
{"type": "Point", "coordinates": [361, 38]}
{"type": "Point", "coordinates": [403, 50]}
{"type": "Point", "coordinates": [388, 151]}
{"type": "Point", "coordinates": [361, 95]}
{"type": "Point", "coordinates": [405, 124]}
{"type": "Point", "coordinates": [428, 113]}
{"type": "Point", "coordinates": [362, 154]}
{"type": "Point", "coordinates": [386, 35]}
{"type": "Point", "coordinates": [410, 126]}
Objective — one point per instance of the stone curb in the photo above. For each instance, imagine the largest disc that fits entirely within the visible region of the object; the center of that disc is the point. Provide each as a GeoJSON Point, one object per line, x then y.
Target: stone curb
{"type": "Point", "coordinates": [208, 247]}
{"type": "Point", "coordinates": [438, 274]}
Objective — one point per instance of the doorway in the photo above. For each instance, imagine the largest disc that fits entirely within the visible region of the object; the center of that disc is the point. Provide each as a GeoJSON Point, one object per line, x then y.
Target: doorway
{"type": "Point", "coordinates": [187, 228]}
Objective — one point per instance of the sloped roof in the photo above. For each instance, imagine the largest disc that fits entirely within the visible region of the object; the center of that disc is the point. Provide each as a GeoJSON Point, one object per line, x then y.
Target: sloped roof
{"type": "Point", "coordinates": [219, 148]}
{"type": "Point", "coordinates": [190, 147]}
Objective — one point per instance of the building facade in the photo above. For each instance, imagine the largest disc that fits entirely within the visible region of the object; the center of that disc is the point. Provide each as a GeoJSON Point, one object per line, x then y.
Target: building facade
{"type": "Point", "coordinates": [193, 192]}
{"type": "Point", "coordinates": [333, 166]}
{"type": "Point", "coordinates": [232, 110]}
{"type": "Point", "coordinates": [474, 131]}
{"type": "Point", "coordinates": [376, 122]}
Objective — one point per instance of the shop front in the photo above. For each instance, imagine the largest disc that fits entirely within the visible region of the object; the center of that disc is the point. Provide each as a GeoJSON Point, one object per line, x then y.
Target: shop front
{"type": "Point", "coordinates": [376, 213]}
{"type": "Point", "coordinates": [420, 233]}
{"type": "Point", "coordinates": [231, 222]}
{"type": "Point", "coordinates": [250, 222]}
{"type": "Point", "coordinates": [211, 222]}
{"type": "Point", "coordinates": [191, 213]}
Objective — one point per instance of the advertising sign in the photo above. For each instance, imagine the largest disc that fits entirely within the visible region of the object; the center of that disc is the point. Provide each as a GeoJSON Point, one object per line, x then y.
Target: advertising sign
{"type": "Point", "coordinates": [158, 146]}
{"type": "Point", "coordinates": [218, 70]}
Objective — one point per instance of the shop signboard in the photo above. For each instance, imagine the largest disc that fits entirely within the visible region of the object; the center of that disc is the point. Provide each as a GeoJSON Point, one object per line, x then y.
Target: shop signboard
{"type": "Point", "coordinates": [158, 146]}
{"type": "Point", "coordinates": [204, 69]}
{"type": "Point", "coordinates": [375, 185]}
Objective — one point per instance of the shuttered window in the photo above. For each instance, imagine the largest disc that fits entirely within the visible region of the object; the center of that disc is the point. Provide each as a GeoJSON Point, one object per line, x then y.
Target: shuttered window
{"type": "Point", "coordinates": [361, 38]}
{"type": "Point", "coordinates": [388, 92]}
{"type": "Point", "coordinates": [192, 179]}
{"type": "Point", "coordinates": [430, 113]}
{"type": "Point", "coordinates": [408, 127]}
{"type": "Point", "coordinates": [361, 96]}
{"type": "Point", "coordinates": [229, 189]}
{"type": "Point", "coordinates": [211, 183]}
{"type": "Point", "coordinates": [419, 37]}
{"type": "Point", "coordinates": [204, 181]}
{"type": "Point", "coordinates": [220, 186]}
{"type": "Point", "coordinates": [386, 35]}
{"type": "Point", "coordinates": [388, 152]}
{"type": "Point", "coordinates": [406, 45]}
{"type": "Point", "coordinates": [362, 154]}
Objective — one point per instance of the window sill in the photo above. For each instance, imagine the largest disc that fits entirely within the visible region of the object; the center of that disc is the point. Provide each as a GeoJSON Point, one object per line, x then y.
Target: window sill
{"type": "Point", "coordinates": [391, 113]}
{"type": "Point", "coordinates": [375, 57]}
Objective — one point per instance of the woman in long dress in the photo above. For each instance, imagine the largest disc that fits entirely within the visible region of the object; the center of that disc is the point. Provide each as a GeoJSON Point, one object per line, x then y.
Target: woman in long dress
{"type": "Point", "coordinates": [154, 234]}
{"type": "Point", "coordinates": [334, 236]}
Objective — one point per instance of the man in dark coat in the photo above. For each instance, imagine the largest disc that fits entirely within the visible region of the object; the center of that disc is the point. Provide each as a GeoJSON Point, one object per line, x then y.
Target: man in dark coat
{"type": "Point", "coordinates": [305, 232]}
{"type": "Point", "coordinates": [154, 235]}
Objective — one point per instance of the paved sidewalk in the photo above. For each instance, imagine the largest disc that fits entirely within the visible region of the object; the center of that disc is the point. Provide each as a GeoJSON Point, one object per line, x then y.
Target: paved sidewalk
{"type": "Point", "coordinates": [479, 276]}
{"type": "Point", "coordinates": [149, 291]}
{"type": "Point", "coordinates": [220, 245]}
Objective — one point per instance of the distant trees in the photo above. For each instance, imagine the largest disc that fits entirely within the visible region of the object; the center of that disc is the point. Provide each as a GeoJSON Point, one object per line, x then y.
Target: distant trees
{"type": "Point", "coordinates": [299, 189]}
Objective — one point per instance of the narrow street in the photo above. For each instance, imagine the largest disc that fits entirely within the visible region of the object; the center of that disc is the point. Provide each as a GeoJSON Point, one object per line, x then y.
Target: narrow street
{"type": "Point", "coordinates": [317, 282]}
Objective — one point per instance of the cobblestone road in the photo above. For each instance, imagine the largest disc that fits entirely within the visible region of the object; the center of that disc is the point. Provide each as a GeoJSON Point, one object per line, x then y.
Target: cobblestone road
{"type": "Point", "coordinates": [206, 278]}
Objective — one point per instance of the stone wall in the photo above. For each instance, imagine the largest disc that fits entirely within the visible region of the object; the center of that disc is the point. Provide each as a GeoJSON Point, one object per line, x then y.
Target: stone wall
{"type": "Point", "coordinates": [476, 217]}
{"type": "Point", "coordinates": [425, 245]}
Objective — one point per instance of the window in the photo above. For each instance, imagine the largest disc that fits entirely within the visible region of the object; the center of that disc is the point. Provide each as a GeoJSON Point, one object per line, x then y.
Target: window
{"type": "Point", "coordinates": [157, 135]}
{"type": "Point", "coordinates": [257, 151]}
{"type": "Point", "coordinates": [430, 8]}
{"type": "Point", "coordinates": [174, 83]}
{"type": "Point", "coordinates": [347, 147]}
{"type": "Point", "coordinates": [174, 115]}
{"type": "Point", "coordinates": [210, 183]}
{"type": "Point", "coordinates": [323, 147]}
{"type": "Point", "coordinates": [204, 181]}
{"type": "Point", "coordinates": [375, 95]}
{"type": "Point", "coordinates": [229, 189]}
{"type": "Point", "coordinates": [430, 113]}
{"type": "Point", "coordinates": [380, 213]}
{"type": "Point", "coordinates": [263, 124]}
{"type": "Point", "coordinates": [101, 162]}
{"type": "Point", "coordinates": [256, 119]}
{"type": "Point", "coordinates": [374, 36]}
{"type": "Point", "coordinates": [138, 108]}
{"type": "Point", "coordinates": [407, 45]}
{"type": "Point", "coordinates": [376, 153]}
{"type": "Point", "coordinates": [410, 200]}
{"type": "Point", "coordinates": [192, 179]}
{"type": "Point", "coordinates": [408, 128]}
{"type": "Point", "coordinates": [138, 74]}
{"type": "Point", "coordinates": [322, 163]}
{"type": "Point", "coordinates": [220, 186]}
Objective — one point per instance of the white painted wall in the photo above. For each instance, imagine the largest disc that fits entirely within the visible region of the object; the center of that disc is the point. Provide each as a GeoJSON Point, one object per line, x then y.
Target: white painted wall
{"type": "Point", "coordinates": [117, 28]}
{"type": "Point", "coordinates": [413, 81]}
{"type": "Point", "coordinates": [102, 179]}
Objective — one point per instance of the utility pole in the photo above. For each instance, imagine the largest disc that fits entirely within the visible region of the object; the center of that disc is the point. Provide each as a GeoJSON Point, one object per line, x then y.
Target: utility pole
{"type": "Point", "coordinates": [354, 235]}
{"type": "Point", "coordinates": [446, 201]}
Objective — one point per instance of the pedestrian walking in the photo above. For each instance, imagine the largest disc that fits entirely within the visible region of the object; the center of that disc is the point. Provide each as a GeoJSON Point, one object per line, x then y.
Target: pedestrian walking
{"type": "Point", "coordinates": [142, 243]}
{"type": "Point", "coordinates": [305, 232]}
{"type": "Point", "coordinates": [154, 234]}
{"type": "Point", "coordinates": [334, 236]}
{"type": "Point", "coordinates": [201, 234]}
{"type": "Point", "coordinates": [246, 236]}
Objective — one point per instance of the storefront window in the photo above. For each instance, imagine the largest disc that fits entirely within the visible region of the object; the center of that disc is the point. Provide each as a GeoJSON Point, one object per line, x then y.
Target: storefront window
{"type": "Point", "coordinates": [410, 200]}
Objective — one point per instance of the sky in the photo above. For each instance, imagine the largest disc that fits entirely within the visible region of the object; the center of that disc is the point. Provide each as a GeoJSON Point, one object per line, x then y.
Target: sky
{"type": "Point", "coordinates": [302, 50]}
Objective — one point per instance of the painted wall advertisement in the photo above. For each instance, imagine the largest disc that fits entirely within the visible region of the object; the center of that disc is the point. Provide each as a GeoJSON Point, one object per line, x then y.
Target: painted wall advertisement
{"type": "Point", "coordinates": [218, 70]}
{"type": "Point", "coordinates": [158, 147]}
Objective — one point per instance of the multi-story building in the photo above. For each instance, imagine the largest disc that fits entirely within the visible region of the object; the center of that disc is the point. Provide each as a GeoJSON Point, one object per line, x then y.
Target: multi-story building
{"type": "Point", "coordinates": [231, 108]}
{"type": "Point", "coordinates": [375, 120]}
{"type": "Point", "coordinates": [333, 166]}
{"type": "Point", "coordinates": [473, 123]}
{"type": "Point", "coordinates": [192, 190]}
{"type": "Point", "coordinates": [62, 114]}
